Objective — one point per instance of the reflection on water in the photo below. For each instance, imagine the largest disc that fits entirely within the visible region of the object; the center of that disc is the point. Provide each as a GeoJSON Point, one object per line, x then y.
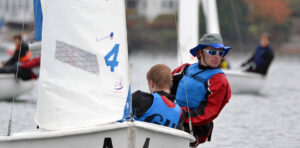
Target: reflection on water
{"type": "Point", "coordinates": [266, 120]}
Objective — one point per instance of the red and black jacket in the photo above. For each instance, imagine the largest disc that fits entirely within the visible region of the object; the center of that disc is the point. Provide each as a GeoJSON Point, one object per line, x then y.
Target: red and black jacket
{"type": "Point", "coordinates": [24, 50]}
{"type": "Point", "coordinates": [31, 64]}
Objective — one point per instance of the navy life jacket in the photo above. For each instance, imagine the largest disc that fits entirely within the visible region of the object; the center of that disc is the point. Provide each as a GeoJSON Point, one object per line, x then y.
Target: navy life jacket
{"type": "Point", "coordinates": [193, 86]}
{"type": "Point", "coordinates": [259, 57]}
{"type": "Point", "coordinates": [161, 113]}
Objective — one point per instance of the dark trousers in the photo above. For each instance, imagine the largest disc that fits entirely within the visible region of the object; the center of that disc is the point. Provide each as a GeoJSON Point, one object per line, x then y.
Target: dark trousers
{"type": "Point", "coordinates": [24, 74]}
{"type": "Point", "coordinates": [202, 133]}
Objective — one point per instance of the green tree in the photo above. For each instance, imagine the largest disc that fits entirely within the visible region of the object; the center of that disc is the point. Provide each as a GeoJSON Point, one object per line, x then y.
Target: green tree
{"type": "Point", "coordinates": [232, 19]}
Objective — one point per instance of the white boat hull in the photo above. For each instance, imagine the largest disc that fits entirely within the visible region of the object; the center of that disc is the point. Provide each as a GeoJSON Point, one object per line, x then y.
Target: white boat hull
{"type": "Point", "coordinates": [10, 88]}
{"type": "Point", "coordinates": [115, 135]}
{"type": "Point", "coordinates": [244, 82]}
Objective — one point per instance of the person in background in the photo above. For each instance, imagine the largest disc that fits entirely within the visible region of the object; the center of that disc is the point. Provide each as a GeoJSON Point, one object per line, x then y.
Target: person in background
{"type": "Point", "coordinates": [262, 57]}
{"type": "Point", "coordinates": [224, 64]}
{"type": "Point", "coordinates": [21, 50]}
{"type": "Point", "coordinates": [157, 106]}
{"type": "Point", "coordinates": [202, 89]}
{"type": "Point", "coordinates": [26, 71]}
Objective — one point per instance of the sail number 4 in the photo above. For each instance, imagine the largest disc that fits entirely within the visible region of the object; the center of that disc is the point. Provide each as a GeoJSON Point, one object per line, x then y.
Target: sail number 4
{"type": "Point", "coordinates": [114, 54]}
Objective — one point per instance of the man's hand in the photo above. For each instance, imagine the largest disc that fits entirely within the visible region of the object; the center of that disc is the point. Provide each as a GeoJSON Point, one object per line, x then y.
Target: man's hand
{"type": "Point", "coordinates": [244, 64]}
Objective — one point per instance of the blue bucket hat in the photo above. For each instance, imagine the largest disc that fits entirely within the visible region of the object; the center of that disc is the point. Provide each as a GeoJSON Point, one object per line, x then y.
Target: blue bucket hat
{"type": "Point", "coordinates": [212, 40]}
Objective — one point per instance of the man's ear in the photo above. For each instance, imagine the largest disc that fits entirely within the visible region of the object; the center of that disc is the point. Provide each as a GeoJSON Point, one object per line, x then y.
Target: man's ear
{"type": "Point", "coordinates": [199, 54]}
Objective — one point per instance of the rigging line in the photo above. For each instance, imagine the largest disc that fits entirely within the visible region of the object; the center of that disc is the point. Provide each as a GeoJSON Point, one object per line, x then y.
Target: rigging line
{"type": "Point", "coordinates": [131, 114]}
{"type": "Point", "coordinates": [237, 26]}
{"type": "Point", "coordinates": [186, 96]}
{"type": "Point", "coordinates": [16, 79]}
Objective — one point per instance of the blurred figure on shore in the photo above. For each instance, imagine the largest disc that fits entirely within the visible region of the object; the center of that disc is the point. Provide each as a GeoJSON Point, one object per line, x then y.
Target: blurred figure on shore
{"type": "Point", "coordinates": [21, 50]}
{"type": "Point", "coordinates": [262, 57]}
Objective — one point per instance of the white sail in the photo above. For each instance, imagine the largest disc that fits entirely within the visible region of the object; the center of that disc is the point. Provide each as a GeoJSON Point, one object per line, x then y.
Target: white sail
{"type": "Point", "coordinates": [188, 28]}
{"type": "Point", "coordinates": [188, 31]}
{"type": "Point", "coordinates": [211, 16]}
{"type": "Point", "coordinates": [84, 67]}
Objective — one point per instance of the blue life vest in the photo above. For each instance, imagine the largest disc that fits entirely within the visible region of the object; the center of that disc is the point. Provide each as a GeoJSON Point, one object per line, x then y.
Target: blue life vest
{"type": "Point", "coordinates": [259, 57]}
{"type": "Point", "coordinates": [161, 114]}
{"type": "Point", "coordinates": [193, 86]}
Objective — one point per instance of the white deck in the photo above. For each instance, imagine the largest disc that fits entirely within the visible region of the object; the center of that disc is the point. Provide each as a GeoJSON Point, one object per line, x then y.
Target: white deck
{"type": "Point", "coordinates": [123, 135]}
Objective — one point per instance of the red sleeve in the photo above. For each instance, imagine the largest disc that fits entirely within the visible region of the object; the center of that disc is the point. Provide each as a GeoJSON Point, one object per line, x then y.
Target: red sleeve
{"type": "Point", "coordinates": [32, 63]}
{"type": "Point", "coordinates": [179, 69]}
{"type": "Point", "coordinates": [219, 94]}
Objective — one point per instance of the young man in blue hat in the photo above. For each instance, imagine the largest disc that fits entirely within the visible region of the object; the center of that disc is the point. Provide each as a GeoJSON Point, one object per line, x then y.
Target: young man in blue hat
{"type": "Point", "coordinates": [202, 89]}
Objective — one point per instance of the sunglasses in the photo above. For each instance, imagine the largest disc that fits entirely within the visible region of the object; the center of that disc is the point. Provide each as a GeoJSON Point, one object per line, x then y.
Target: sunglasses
{"type": "Point", "coordinates": [214, 52]}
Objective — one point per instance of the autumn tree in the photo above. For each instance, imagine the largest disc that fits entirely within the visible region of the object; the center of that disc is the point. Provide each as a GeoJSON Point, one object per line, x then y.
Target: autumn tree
{"type": "Point", "coordinates": [276, 11]}
{"type": "Point", "coordinates": [269, 15]}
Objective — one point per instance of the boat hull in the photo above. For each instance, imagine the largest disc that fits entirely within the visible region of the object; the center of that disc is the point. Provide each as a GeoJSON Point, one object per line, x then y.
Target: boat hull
{"type": "Point", "coordinates": [9, 87]}
{"type": "Point", "coordinates": [244, 82]}
{"type": "Point", "coordinates": [116, 135]}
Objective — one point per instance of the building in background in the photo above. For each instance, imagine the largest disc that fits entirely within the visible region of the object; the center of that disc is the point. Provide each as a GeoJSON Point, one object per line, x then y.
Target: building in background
{"type": "Point", "coordinates": [131, 4]}
{"type": "Point", "coordinates": [16, 11]}
{"type": "Point", "coordinates": [151, 9]}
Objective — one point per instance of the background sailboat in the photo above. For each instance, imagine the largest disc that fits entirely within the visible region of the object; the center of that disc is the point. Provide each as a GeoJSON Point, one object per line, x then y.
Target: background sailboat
{"type": "Point", "coordinates": [188, 38]}
{"type": "Point", "coordinates": [10, 87]}
{"type": "Point", "coordinates": [84, 83]}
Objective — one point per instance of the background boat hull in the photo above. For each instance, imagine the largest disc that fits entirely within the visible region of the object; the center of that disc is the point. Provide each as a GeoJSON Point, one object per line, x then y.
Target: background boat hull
{"type": "Point", "coordinates": [9, 87]}
{"type": "Point", "coordinates": [244, 82]}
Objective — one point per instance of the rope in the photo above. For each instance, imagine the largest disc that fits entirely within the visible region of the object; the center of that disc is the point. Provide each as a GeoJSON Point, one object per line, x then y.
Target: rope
{"type": "Point", "coordinates": [186, 96]}
{"type": "Point", "coordinates": [237, 26]}
{"type": "Point", "coordinates": [131, 113]}
{"type": "Point", "coordinates": [16, 78]}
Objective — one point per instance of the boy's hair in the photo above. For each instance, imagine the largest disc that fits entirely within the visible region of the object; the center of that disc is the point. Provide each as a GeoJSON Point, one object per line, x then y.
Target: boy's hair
{"type": "Point", "coordinates": [266, 35]}
{"type": "Point", "coordinates": [161, 76]}
{"type": "Point", "coordinates": [17, 37]}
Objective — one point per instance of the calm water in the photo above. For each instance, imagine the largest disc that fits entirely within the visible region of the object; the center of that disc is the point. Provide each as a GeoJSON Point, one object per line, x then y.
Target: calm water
{"type": "Point", "coordinates": [270, 119]}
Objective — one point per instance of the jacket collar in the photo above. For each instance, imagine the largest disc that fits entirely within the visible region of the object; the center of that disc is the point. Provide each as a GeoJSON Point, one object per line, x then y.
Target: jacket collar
{"type": "Point", "coordinates": [169, 96]}
{"type": "Point", "coordinates": [204, 67]}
